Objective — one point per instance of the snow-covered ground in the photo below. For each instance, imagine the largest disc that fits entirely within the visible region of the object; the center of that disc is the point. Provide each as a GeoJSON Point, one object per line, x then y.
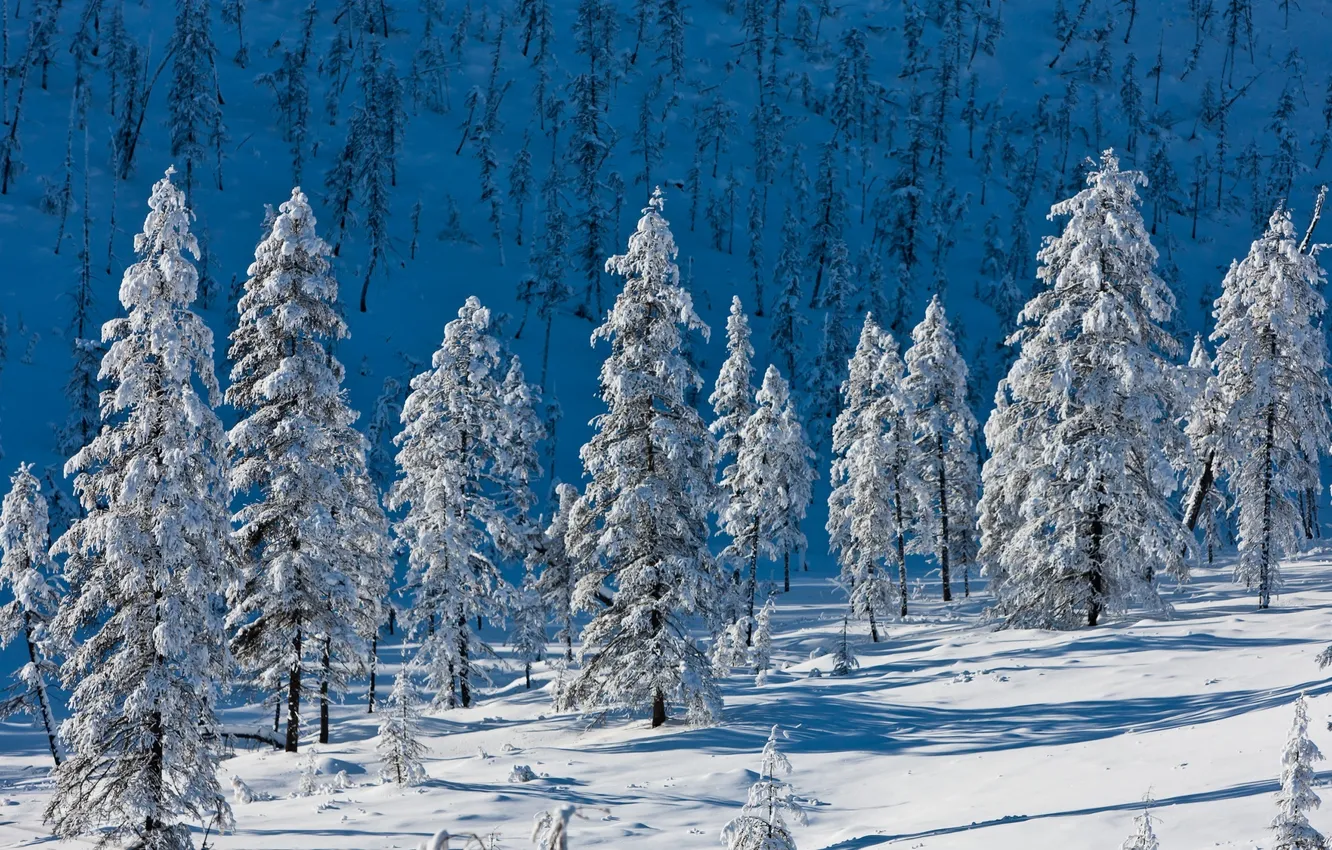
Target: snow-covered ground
{"type": "Point", "coordinates": [950, 735]}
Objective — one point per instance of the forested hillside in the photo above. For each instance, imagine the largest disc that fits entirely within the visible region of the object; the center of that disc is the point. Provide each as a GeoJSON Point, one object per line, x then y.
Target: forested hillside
{"type": "Point", "coordinates": [816, 158]}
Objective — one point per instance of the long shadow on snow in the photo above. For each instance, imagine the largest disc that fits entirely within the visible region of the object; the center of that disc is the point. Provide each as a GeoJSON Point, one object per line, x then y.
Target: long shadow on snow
{"type": "Point", "coordinates": [823, 722]}
{"type": "Point", "coordinates": [1247, 789]}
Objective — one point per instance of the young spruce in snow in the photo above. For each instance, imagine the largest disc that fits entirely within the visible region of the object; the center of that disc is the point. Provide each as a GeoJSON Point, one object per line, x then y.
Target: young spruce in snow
{"type": "Point", "coordinates": [639, 533]}
{"type": "Point", "coordinates": [400, 748]}
{"type": "Point", "coordinates": [25, 568]}
{"type": "Point", "coordinates": [147, 565]}
{"type": "Point", "coordinates": [871, 477]}
{"type": "Point", "coordinates": [771, 482]}
{"type": "Point", "coordinates": [467, 455]}
{"type": "Point", "coordinates": [1290, 828]}
{"type": "Point", "coordinates": [762, 823]}
{"type": "Point", "coordinates": [935, 390]}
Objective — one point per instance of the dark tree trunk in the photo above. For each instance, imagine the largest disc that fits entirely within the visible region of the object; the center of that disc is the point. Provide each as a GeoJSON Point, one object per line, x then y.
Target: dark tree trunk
{"type": "Point", "coordinates": [1264, 566]}
{"type": "Point", "coordinates": [42, 703]}
{"type": "Point", "coordinates": [374, 668]}
{"type": "Point", "coordinates": [943, 525]}
{"type": "Point", "coordinates": [1096, 578]}
{"type": "Point", "coordinates": [464, 668]}
{"type": "Point", "coordinates": [294, 699]}
{"type": "Point", "coordinates": [786, 571]}
{"type": "Point", "coordinates": [323, 694]}
{"type": "Point", "coordinates": [658, 709]}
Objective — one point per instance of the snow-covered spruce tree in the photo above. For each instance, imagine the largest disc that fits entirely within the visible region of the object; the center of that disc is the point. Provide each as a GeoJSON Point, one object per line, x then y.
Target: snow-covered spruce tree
{"type": "Point", "coordinates": [794, 467]}
{"type": "Point", "coordinates": [760, 653]}
{"type": "Point", "coordinates": [1075, 519]}
{"type": "Point", "coordinates": [732, 397]}
{"type": "Point", "coordinates": [400, 748]}
{"type": "Point", "coordinates": [529, 626]}
{"type": "Point", "coordinates": [556, 580]}
{"type": "Point", "coordinates": [935, 390]}
{"type": "Point", "coordinates": [1143, 837]}
{"type": "Point", "coordinates": [467, 457]}
{"type": "Point", "coordinates": [147, 565]}
{"type": "Point", "coordinates": [298, 612]}
{"type": "Point", "coordinates": [762, 823]}
{"type": "Point", "coordinates": [768, 487]}
{"type": "Point", "coordinates": [193, 102]}
{"type": "Point", "coordinates": [1271, 386]}
{"type": "Point", "coordinates": [732, 401]}
{"type": "Point", "coordinates": [639, 532]}
{"type": "Point", "coordinates": [25, 568]}
{"type": "Point", "coordinates": [1202, 425]}
{"type": "Point", "coordinates": [866, 516]}
{"type": "Point", "coordinates": [1290, 828]}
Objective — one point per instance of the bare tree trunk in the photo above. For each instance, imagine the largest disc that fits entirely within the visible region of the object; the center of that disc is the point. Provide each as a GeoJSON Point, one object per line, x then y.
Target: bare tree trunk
{"type": "Point", "coordinates": [42, 703]}
{"type": "Point", "coordinates": [374, 668]}
{"type": "Point", "coordinates": [1264, 567]}
{"type": "Point", "coordinates": [943, 525]}
{"type": "Point", "coordinates": [294, 698]}
{"type": "Point", "coordinates": [323, 694]}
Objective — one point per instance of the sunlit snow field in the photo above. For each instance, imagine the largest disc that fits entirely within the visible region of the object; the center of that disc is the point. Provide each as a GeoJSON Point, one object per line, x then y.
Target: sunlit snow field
{"type": "Point", "coordinates": [950, 735]}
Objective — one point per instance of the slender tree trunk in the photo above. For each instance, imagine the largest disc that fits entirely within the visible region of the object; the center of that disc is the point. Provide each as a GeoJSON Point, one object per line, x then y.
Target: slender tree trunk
{"type": "Point", "coordinates": [277, 711]}
{"type": "Point", "coordinates": [1096, 577]}
{"type": "Point", "coordinates": [753, 582]}
{"type": "Point", "coordinates": [294, 698]}
{"type": "Point", "coordinates": [786, 570]}
{"type": "Point", "coordinates": [464, 667]}
{"type": "Point", "coordinates": [943, 525]}
{"type": "Point", "coordinates": [374, 668]}
{"type": "Point", "coordinates": [42, 703]}
{"type": "Point", "coordinates": [874, 626]}
{"type": "Point", "coordinates": [323, 694]}
{"type": "Point", "coordinates": [527, 674]}
{"type": "Point", "coordinates": [901, 547]}
{"type": "Point", "coordinates": [1264, 566]}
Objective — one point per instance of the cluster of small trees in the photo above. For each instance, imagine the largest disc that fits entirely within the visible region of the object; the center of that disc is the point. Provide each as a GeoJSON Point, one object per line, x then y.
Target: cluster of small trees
{"type": "Point", "coordinates": [904, 471]}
